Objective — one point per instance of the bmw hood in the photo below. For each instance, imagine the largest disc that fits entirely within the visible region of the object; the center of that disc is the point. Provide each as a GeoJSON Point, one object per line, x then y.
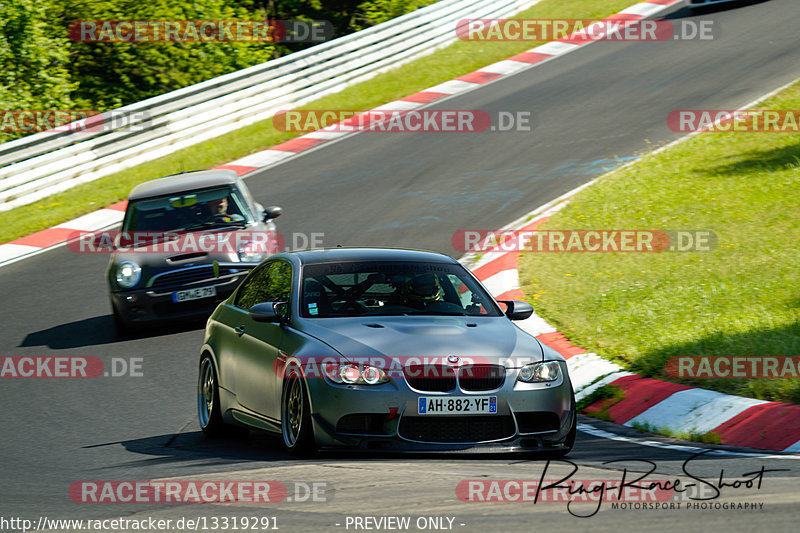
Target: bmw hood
{"type": "Point", "coordinates": [490, 340]}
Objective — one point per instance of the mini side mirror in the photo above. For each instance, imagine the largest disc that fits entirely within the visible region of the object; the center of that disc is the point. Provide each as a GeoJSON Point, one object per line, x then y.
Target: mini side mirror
{"type": "Point", "coordinates": [271, 212]}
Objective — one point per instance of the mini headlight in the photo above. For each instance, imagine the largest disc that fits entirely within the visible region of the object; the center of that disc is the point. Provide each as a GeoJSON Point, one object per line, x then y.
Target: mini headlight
{"type": "Point", "coordinates": [539, 372]}
{"type": "Point", "coordinates": [128, 274]}
{"type": "Point", "coordinates": [251, 252]}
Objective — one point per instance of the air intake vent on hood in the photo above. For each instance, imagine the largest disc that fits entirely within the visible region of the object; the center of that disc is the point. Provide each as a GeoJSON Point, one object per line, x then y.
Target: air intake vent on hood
{"type": "Point", "coordinates": [186, 257]}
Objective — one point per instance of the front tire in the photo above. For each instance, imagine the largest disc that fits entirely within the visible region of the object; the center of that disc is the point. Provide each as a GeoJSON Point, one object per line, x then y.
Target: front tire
{"type": "Point", "coordinates": [569, 440]}
{"type": "Point", "coordinates": [209, 409]}
{"type": "Point", "coordinates": [296, 430]}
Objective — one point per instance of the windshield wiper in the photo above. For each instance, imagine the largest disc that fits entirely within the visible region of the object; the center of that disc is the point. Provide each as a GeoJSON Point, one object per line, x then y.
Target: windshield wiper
{"type": "Point", "coordinates": [435, 313]}
{"type": "Point", "coordinates": [215, 224]}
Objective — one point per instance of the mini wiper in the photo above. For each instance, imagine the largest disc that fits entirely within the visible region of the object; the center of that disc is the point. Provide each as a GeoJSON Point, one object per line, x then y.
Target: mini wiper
{"type": "Point", "coordinates": [214, 224]}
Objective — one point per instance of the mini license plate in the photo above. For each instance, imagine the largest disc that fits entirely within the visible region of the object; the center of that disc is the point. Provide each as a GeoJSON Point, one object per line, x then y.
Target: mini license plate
{"type": "Point", "coordinates": [194, 294]}
{"type": "Point", "coordinates": [457, 405]}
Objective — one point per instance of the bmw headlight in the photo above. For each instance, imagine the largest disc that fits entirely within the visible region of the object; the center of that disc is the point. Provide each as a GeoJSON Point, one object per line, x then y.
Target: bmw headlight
{"type": "Point", "coordinates": [539, 372]}
{"type": "Point", "coordinates": [251, 252]}
{"type": "Point", "coordinates": [128, 274]}
{"type": "Point", "coordinates": [353, 374]}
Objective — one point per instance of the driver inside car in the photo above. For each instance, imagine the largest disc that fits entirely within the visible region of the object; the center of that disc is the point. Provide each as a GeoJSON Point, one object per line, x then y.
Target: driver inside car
{"type": "Point", "coordinates": [419, 291]}
{"type": "Point", "coordinates": [218, 209]}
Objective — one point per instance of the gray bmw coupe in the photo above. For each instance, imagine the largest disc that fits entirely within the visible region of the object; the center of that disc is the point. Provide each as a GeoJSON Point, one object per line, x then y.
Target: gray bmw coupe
{"type": "Point", "coordinates": [386, 349]}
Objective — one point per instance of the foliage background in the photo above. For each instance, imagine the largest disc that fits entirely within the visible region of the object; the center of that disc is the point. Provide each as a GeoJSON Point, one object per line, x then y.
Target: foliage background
{"type": "Point", "coordinates": [41, 68]}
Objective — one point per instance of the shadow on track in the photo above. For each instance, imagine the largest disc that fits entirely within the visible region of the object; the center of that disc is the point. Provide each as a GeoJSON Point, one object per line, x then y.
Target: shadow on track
{"type": "Point", "coordinates": [713, 8]}
{"type": "Point", "coordinates": [96, 331]}
{"type": "Point", "coordinates": [265, 448]}
{"type": "Point", "coordinates": [193, 445]}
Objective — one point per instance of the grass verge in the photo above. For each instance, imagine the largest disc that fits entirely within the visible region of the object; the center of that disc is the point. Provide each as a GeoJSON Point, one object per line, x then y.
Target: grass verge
{"type": "Point", "coordinates": [740, 299]}
{"type": "Point", "coordinates": [607, 395]}
{"type": "Point", "coordinates": [707, 438]}
{"type": "Point", "coordinates": [456, 60]}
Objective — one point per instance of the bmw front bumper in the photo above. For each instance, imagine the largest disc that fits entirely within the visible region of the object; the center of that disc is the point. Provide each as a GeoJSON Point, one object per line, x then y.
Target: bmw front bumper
{"type": "Point", "coordinates": [530, 416]}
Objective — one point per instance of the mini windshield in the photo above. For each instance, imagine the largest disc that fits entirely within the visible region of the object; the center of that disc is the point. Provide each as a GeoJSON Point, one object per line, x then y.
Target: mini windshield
{"type": "Point", "coordinates": [190, 210]}
{"type": "Point", "coordinates": [392, 288]}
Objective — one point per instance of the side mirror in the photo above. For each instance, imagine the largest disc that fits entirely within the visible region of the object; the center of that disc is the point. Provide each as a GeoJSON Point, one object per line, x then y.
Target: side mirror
{"type": "Point", "coordinates": [264, 312]}
{"type": "Point", "coordinates": [276, 312]}
{"type": "Point", "coordinates": [282, 310]}
{"type": "Point", "coordinates": [271, 212]}
{"type": "Point", "coordinates": [516, 310]}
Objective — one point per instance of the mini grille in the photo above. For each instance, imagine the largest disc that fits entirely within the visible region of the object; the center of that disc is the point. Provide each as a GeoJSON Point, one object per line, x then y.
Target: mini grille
{"type": "Point", "coordinates": [189, 275]}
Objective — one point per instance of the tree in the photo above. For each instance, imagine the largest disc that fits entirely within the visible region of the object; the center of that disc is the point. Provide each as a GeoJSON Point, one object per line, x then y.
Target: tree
{"type": "Point", "coordinates": [42, 68]}
{"type": "Point", "coordinates": [33, 59]}
{"type": "Point", "coordinates": [117, 73]}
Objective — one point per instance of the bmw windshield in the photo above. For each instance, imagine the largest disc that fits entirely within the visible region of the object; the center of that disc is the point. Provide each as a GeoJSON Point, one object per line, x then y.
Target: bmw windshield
{"type": "Point", "coordinates": [392, 288]}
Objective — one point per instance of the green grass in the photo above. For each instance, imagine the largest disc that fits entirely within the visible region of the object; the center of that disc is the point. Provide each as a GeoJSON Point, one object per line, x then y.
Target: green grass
{"type": "Point", "coordinates": [456, 60]}
{"type": "Point", "coordinates": [708, 438]}
{"type": "Point", "coordinates": [606, 392]}
{"type": "Point", "coordinates": [741, 299]}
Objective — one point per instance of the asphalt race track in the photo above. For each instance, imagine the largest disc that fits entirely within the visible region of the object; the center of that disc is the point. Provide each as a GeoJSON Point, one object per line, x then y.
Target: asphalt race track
{"type": "Point", "coordinates": [600, 105]}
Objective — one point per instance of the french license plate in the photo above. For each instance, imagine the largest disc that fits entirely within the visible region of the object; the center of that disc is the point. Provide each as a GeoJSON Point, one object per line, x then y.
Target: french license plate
{"type": "Point", "coordinates": [194, 294]}
{"type": "Point", "coordinates": [457, 405]}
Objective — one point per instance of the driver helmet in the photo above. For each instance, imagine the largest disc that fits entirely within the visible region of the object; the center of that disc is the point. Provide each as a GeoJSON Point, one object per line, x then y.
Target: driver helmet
{"type": "Point", "coordinates": [423, 287]}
